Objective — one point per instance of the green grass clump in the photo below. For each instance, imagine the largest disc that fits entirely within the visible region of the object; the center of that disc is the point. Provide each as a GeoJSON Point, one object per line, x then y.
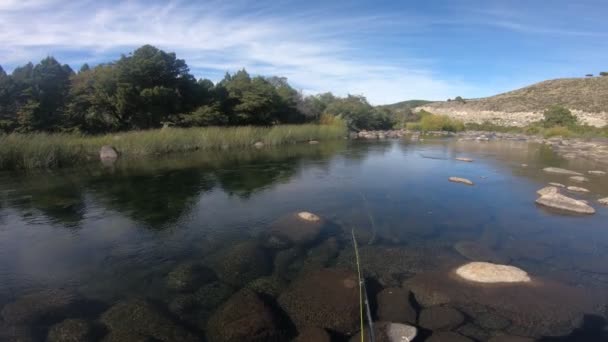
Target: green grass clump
{"type": "Point", "coordinates": [41, 150]}
{"type": "Point", "coordinates": [440, 123]}
{"type": "Point", "coordinates": [558, 131]}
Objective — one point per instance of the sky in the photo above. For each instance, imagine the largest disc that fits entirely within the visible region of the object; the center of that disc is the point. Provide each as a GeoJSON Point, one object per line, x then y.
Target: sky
{"type": "Point", "coordinates": [388, 51]}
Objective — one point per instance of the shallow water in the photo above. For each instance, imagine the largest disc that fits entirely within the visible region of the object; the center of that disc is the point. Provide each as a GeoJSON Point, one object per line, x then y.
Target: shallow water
{"type": "Point", "coordinates": [115, 233]}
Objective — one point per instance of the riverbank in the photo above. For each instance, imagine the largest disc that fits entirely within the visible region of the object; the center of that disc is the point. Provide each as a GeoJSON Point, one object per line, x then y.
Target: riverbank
{"type": "Point", "coordinates": [44, 151]}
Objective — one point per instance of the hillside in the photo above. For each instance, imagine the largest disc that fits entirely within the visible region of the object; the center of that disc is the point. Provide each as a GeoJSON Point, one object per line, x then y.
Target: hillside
{"type": "Point", "coordinates": [587, 98]}
{"type": "Point", "coordinates": [406, 105]}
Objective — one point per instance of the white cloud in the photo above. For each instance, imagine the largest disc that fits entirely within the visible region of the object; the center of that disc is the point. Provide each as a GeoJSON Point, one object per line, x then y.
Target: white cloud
{"type": "Point", "coordinates": [315, 51]}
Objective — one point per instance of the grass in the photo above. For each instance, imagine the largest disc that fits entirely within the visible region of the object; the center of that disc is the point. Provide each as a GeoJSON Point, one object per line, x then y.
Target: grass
{"type": "Point", "coordinates": [436, 123]}
{"type": "Point", "coordinates": [41, 150]}
{"type": "Point", "coordinates": [572, 131]}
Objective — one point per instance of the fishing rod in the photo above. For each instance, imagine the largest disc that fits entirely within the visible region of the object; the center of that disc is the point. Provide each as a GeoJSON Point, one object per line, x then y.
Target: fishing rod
{"type": "Point", "coordinates": [363, 299]}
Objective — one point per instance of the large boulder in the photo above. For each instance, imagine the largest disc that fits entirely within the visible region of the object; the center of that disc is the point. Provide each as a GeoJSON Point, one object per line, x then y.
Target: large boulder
{"type": "Point", "coordinates": [47, 305]}
{"type": "Point", "coordinates": [393, 305]}
{"type": "Point", "coordinates": [297, 228]}
{"type": "Point", "coordinates": [138, 317]}
{"type": "Point", "coordinates": [388, 332]}
{"type": "Point", "coordinates": [242, 263]}
{"type": "Point", "coordinates": [560, 171]}
{"type": "Point", "coordinates": [244, 317]}
{"type": "Point", "coordinates": [485, 272]}
{"type": "Point", "coordinates": [565, 204]}
{"type": "Point", "coordinates": [70, 330]}
{"type": "Point", "coordinates": [327, 298]}
{"type": "Point", "coordinates": [476, 251]}
{"type": "Point", "coordinates": [440, 318]}
{"type": "Point", "coordinates": [189, 276]}
{"type": "Point", "coordinates": [313, 334]}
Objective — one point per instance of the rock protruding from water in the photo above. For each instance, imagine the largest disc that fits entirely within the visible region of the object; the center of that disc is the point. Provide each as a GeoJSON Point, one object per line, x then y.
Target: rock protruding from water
{"type": "Point", "coordinates": [313, 334]}
{"type": "Point", "coordinates": [244, 317]}
{"type": "Point", "coordinates": [579, 179]}
{"type": "Point", "coordinates": [440, 318]}
{"type": "Point", "coordinates": [108, 153]}
{"type": "Point", "coordinates": [394, 306]}
{"type": "Point", "coordinates": [388, 332]}
{"type": "Point", "coordinates": [560, 171]}
{"type": "Point", "coordinates": [327, 298]}
{"type": "Point", "coordinates": [463, 159]}
{"type": "Point", "coordinates": [548, 190]}
{"type": "Point", "coordinates": [577, 189]}
{"type": "Point", "coordinates": [137, 319]}
{"type": "Point", "coordinates": [485, 272]}
{"type": "Point", "coordinates": [460, 180]}
{"type": "Point", "coordinates": [476, 251]}
{"type": "Point", "coordinates": [559, 185]}
{"type": "Point", "coordinates": [597, 172]}
{"type": "Point", "coordinates": [565, 203]}
{"type": "Point", "coordinates": [446, 336]}
{"type": "Point", "coordinates": [39, 306]}
{"type": "Point", "coordinates": [241, 263]}
{"type": "Point", "coordinates": [258, 144]}
{"type": "Point", "coordinates": [603, 201]}
{"type": "Point", "coordinates": [70, 330]}
{"type": "Point", "coordinates": [298, 228]}
{"type": "Point", "coordinates": [189, 276]}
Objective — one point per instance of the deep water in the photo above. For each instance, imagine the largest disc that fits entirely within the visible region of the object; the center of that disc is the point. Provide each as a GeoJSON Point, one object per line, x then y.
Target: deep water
{"type": "Point", "coordinates": [115, 233]}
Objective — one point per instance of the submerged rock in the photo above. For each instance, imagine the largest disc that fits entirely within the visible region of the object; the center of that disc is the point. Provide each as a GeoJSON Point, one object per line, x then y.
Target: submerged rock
{"type": "Point", "coordinates": [442, 336]}
{"type": "Point", "coordinates": [40, 306]}
{"type": "Point", "coordinates": [70, 330]}
{"type": "Point", "coordinates": [475, 251]}
{"type": "Point", "coordinates": [241, 263]}
{"type": "Point", "coordinates": [579, 179]}
{"type": "Point", "coordinates": [244, 317]}
{"type": "Point", "coordinates": [137, 317]}
{"type": "Point", "coordinates": [313, 334]}
{"type": "Point", "coordinates": [210, 296]}
{"type": "Point", "coordinates": [577, 189]}
{"type": "Point", "coordinates": [270, 285]}
{"type": "Point", "coordinates": [564, 203]}
{"type": "Point", "coordinates": [388, 332]}
{"type": "Point", "coordinates": [560, 171]}
{"type": "Point", "coordinates": [189, 276]}
{"type": "Point", "coordinates": [327, 298]}
{"type": "Point", "coordinates": [440, 318]}
{"type": "Point", "coordinates": [485, 272]}
{"type": "Point", "coordinates": [510, 338]}
{"type": "Point", "coordinates": [298, 228]}
{"type": "Point", "coordinates": [460, 180]}
{"type": "Point", "coordinates": [394, 306]}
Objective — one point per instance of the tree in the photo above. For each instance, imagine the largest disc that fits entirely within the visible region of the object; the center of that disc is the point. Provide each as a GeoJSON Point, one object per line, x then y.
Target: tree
{"type": "Point", "coordinates": [589, 75]}
{"type": "Point", "coordinates": [558, 116]}
{"type": "Point", "coordinates": [84, 68]}
{"type": "Point", "coordinates": [604, 73]}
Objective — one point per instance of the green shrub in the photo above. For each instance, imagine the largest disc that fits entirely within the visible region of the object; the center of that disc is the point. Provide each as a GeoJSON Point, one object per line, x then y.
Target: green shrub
{"type": "Point", "coordinates": [413, 126]}
{"type": "Point", "coordinates": [558, 116]}
{"type": "Point", "coordinates": [558, 131]}
{"type": "Point", "coordinates": [441, 123]}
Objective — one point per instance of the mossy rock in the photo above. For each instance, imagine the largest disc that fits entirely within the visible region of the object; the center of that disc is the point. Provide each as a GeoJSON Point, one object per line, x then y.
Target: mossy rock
{"type": "Point", "coordinates": [242, 263]}
{"type": "Point", "coordinates": [189, 276]}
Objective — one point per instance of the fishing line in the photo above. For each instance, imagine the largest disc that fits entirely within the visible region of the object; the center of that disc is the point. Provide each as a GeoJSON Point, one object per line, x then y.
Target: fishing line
{"type": "Point", "coordinates": [363, 299]}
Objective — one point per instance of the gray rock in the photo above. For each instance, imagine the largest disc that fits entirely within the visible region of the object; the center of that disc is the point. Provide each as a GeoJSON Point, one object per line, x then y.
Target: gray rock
{"type": "Point", "coordinates": [189, 276]}
{"type": "Point", "coordinates": [210, 296]}
{"type": "Point", "coordinates": [560, 171]}
{"type": "Point", "coordinates": [258, 144]}
{"type": "Point", "coordinates": [426, 296]}
{"type": "Point", "coordinates": [394, 306]}
{"type": "Point", "coordinates": [313, 142]}
{"type": "Point", "coordinates": [473, 331]}
{"type": "Point", "coordinates": [242, 263]}
{"type": "Point", "coordinates": [388, 332]}
{"type": "Point", "coordinates": [297, 228]}
{"type": "Point", "coordinates": [579, 179]}
{"type": "Point", "coordinates": [564, 203]}
{"type": "Point", "coordinates": [603, 201]}
{"type": "Point", "coordinates": [108, 153]}
{"type": "Point", "coordinates": [442, 336]}
{"type": "Point", "coordinates": [244, 317]}
{"type": "Point", "coordinates": [70, 330]}
{"type": "Point", "coordinates": [548, 190]}
{"type": "Point", "coordinates": [468, 160]}
{"type": "Point", "coordinates": [460, 180]}
{"type": "Point", "coordinates": [577, 189]}
{"type": "Point", "coordinates": [137, 317]}
{"type": "Point", "coordinates": [39, 306]}
{"type": "Point", "coordinates": [440, 318]}
{"type": "Point", "coordinates": [327, 298]}
{"type": "Point", "coordinates": [510, 338]}
{"type": "Point", "coordinates": [597, 172]}
{"type": "Point", "coordinates": [313, 334]}
{"type": "Point", "coordinates": [270, 285]}
{"type": "Point", "coordinates": [559, 185]}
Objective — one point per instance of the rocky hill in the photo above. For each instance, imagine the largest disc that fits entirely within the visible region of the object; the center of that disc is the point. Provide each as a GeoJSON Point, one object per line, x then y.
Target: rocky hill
{"type": "Point", "coordinates": [587, 98]}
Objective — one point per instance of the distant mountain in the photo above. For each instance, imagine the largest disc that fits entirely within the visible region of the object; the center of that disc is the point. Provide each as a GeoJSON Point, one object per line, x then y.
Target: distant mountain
{"type": "Point", "coordinates": [587, 98]}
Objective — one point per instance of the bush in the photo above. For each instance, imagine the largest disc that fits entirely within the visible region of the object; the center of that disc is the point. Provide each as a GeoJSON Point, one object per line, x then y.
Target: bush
{"type": "Point", "coordinates": [558, 131]}
{"type": "Point", "coordinates": [558, 116]}
{"type": "Point", "coordinates": [441, 123]}
{"type": "Point", "coordinates": [413, 126]}
{"type": "Point", "coordinates": [604, 73]}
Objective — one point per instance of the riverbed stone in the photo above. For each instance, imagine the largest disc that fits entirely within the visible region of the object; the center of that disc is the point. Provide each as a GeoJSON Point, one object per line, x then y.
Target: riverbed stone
{"type": "Point", "coordinates": [579, 179]}
{"type": "Point", "coordinates": [297, 228]}
{"type": "Point", "coordinates": [210, 296]}
{"type": "Point", "coordinates": [258, 144]}
{"type": "Point", "coordinates": [467, 160]}
{"type": "Point", "coordinates": [485, 272]}
{"type": "Point", "coordinates": [189, 276]}
{"type": "Point", "coordinates": [565, 204]}
{"type": "Point", "coordinates": [313, 334]}
{"type": "Point", "coordinates": [327, 298]}
{"type": "Point", "coordinates": [510, 338]}
{"type": "Point", "coordinates": [440, 318]}
{"type": "Point", "coordinates": [476, 251]}
{"type": "Point", "coordinates": [241, 263]}
{"type": "Point", "coordinates": [108, 153]}
{"type": "Point", "coordinates": [244, 317]}
{"type": "Point", "coordinates": [427, 296]}
{"type": "Point", "coordinates": [269, 285]}
{"type": "Point", "coordinates": [393, 305]}
{"type": "Point", "coordinates": [492, 321]}
{"type": "Point", "coordinates": [548, 190]}
{"type": "Point", "coordinates": [70, 330]}
{"type": "Point", "coordinates": [559, 185]}
{"type": "Point", "coordinates": [577, 189]}
{"type": "Point", "coordinates": [51, 304]}
{"type": "Point", "coordinates": [460, 180]}
{"type": "Point", "coordinates": [560, 171]}
{"type": "Point", "coordinates": [597, 172]}
{"type": "Point", "coordinates": [603, 201]}
{"type": "Point", "coordinates": [140, 317]}
{"type": "Point", "coordinates": [388, 332]}
{"type": "Point", "coordinates": [446, 336]}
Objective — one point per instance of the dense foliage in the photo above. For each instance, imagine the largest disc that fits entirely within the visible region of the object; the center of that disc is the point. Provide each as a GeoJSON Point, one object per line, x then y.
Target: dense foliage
{"type": "Point", "coordinates": [150, 88]}
{"type": "Point", "coordinates": [558, 116]}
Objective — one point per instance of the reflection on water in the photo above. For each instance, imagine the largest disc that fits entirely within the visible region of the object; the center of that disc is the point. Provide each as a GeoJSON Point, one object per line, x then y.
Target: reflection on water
{"type": "Point", "coordinates": [201, 222]}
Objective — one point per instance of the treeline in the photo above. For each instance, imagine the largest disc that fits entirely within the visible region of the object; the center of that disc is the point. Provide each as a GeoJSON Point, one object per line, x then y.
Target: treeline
{"type": "Point", "coordinates": [149, 88]}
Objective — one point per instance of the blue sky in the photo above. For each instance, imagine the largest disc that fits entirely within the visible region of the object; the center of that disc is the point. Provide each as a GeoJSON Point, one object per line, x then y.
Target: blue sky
{"type": "Point", "coordinates": [386, 50]}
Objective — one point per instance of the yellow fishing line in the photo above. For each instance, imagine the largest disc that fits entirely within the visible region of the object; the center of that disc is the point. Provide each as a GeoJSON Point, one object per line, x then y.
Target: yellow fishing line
{"type": "Point", "coordinates": [360, 287]}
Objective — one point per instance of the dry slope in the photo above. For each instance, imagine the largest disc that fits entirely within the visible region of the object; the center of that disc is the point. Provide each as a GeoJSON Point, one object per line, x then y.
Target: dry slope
{"type": "Point", "coordinates": [587, 98]}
